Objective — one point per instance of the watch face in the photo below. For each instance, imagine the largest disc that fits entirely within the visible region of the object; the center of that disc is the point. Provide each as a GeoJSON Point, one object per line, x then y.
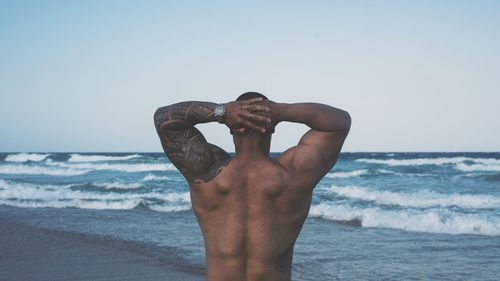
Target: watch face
{"type": "Point", "coordinates": [218, 111]}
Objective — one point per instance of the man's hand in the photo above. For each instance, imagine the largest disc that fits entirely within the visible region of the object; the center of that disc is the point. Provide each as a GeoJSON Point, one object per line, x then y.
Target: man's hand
{"type": "Point", "coordinates": [248, 115]}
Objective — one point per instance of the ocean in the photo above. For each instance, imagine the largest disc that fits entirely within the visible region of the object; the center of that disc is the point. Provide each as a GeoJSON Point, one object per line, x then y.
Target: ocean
{"type": "Point", "coordinates": [375, 216]}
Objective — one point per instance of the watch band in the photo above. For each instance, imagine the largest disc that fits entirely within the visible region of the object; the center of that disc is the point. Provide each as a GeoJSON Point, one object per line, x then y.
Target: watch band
{"type": "Point", "coordinates": [219, 112]}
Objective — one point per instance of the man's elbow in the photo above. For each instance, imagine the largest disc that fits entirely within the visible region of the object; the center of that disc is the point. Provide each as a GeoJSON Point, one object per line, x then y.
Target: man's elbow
{"type": "Point", "coordinates": [346, 123]}
{"type": "Point", "coordinates": [158, 117]}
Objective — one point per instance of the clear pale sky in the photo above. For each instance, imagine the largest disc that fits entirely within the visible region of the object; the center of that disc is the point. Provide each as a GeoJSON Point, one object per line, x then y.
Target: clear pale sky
{"type": "Point", "coordinates": [87, 75]}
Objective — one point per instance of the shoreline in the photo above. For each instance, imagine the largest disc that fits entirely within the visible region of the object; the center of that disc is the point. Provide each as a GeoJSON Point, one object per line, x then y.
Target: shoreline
{"type": "Point", "coordinates": [29, 253]}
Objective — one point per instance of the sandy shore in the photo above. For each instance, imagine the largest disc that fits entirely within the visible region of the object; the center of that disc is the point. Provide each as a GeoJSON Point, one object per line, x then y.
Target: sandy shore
{"type": "Point", "coordinates": [28, 253]}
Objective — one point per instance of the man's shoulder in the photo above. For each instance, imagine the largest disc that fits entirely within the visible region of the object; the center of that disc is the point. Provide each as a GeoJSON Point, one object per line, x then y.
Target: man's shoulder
{"type": "Point", "coordinates": [302, 165]}
{"type": "Point", "coordinates": [298, 158]}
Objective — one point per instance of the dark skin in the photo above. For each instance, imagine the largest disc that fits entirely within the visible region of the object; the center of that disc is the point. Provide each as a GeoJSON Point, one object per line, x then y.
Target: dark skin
{"type": "Point", "coordinates": [250, 207]}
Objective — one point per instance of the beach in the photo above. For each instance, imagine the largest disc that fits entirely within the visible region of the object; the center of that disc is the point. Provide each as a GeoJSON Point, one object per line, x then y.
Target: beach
{"type": "Point", "coordinates": [128, 216]}
{"type": "Point", "coordinates": [28, 253]}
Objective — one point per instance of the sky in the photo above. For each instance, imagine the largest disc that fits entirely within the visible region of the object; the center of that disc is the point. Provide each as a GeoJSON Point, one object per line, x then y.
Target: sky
{"type": "Point", "coordinates": [87, 76]}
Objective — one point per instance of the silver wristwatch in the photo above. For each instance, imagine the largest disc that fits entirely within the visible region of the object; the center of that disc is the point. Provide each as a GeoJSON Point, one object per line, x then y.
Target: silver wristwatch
{"type": "Point", "coordinates": [219, 111]}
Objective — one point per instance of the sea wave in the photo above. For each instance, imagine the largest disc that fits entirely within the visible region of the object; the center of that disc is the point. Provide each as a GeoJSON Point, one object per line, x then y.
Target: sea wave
{"type": "Point", "coordinates": [54, 196]}
{"type": "Point", "coordinates": [177, 197]}
{"type": "Point", "coordinates": [129, 168]}
{"type": "Point", "coordinates": [420, 199]}
{"type": "Point", "coordinates": [478, 167]}
{"type": "Point", "coordinates": [99, 158]}
{"type": "Point", "coordinates": [430, 161]}
{"type": "Point", "coordinates": [168, 209]}
{"type": "Point", "coordinates": [75, 203]}
{"type": "Point", "coordinates": [24, 157]}
{"type": "Point", "coordinates": [387, 172]}
{"type": "Point", "coordinates": [120, 185]}
{"type": "Point", "coordinates": [151, 177]}
{"type": "Point", "coordinates": [63, 196]}
{"type": "Point", "coordinates": [428, 221]}
{"type": "Point", "coordinates": [40, 170]}
{"type": "Point", "coordinates": [56, 168]}
{"type": "Point", "coordinates": [355, 173]}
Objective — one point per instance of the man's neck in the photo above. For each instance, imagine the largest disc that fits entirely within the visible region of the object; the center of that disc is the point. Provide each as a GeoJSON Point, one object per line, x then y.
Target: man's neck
{"type": "Point", "coordinates": [252, 147]}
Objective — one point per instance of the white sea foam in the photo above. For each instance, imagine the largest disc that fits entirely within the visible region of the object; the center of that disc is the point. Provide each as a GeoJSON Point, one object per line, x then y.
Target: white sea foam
{"type": "Point", "coordinates": [168, 209]}
{"type": "Point", "coordinates": [176, 197]}
{"type": "Point", "coordinates": [483, 164]}
{"type": "Point", "coordinates": [389, 172]}
{"type": "Point", "coordinates": [130, 168]}
{"type": "Point", "coordinates": [428, 221]}
{"type": "Point", "coordinates": [23, 157]}
{"type": "Point", "coordinates": [57, 196]}
{"type": "Point", "coordinates": [355, 173]}
{"type": "Point", "coordinates": [55, 168]}
{"type": "Point", "coordinates": [81, 204]}
{"type": "Point", "coordinates": [384, 171]}
{"type": "Point", "coordinates": [119, 185]}
{"type": "Point", "coordinates": [99, 158]}
{"type": "Point", "coordinates": [416, 161]}
{"type": "Point", "coordinates": [18, 191]}
{"type": "Point", "coordinates": [151, 177]}
{"type": "Point", "coordinates": [486, 161]}
{"type": "Point", "coordinates": [478, 167]}
{"type": "Point", "coordinates": [41, 170]}
{"type": "Point", "coordinates": [420, 199]}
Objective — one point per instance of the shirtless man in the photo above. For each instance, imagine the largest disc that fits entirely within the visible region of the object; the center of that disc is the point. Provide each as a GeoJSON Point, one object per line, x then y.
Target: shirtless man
{"type": "Point", "coordinates": [251, 207]}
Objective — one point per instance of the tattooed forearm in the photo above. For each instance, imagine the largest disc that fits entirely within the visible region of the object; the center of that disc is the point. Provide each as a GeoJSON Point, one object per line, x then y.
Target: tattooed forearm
{"type": "Point", "coordinates": [184, 114]}
{"type": "Point", "coordinates": [185, 146]}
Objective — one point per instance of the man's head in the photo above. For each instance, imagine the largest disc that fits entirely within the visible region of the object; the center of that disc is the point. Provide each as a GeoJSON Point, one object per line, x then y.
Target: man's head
{"type": "Point", "coordinates": [251, 95]}
{"type": "Point", "coordinates": [248, 96]}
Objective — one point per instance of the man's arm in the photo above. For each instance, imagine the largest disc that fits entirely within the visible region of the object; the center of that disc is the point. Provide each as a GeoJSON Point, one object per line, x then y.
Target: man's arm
{"type": "Point", "coordinates": [319, 148]}
{"type": "Point", "coordinates": [187, 148]}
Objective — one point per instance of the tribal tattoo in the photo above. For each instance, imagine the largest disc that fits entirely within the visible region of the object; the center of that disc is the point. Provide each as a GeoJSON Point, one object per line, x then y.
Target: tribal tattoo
{"type": "Point", "coordinates": [185, 146]}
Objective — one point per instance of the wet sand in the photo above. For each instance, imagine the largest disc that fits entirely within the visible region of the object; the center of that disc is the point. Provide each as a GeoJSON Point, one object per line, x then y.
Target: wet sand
{"type": "Point", "coordinates": [28, 253]}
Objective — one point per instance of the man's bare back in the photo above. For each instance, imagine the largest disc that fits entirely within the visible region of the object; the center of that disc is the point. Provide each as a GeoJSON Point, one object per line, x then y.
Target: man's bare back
{"type": "Point", "coordinates": [250, 216]}
{"type": "Point", "coordinates": [251, 207]}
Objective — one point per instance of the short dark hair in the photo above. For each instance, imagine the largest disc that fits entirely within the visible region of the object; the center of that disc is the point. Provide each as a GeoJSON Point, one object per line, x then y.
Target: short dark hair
{"type": "Point", "coordinates": [251, 95]}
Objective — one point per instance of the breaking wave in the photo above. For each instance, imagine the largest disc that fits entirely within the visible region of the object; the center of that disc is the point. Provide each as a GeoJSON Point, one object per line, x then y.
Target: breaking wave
{"type": "Point", "coordinates": [151, 177]}
{"type": "Point", "coordinates": [99, 158]}
{"type": "Point", "coordinates": [420, 199]}
{"type": "Point", "coordinates": [62, 196]}
{"type": "Point", "coordinates": [24, 157]}
{"type": "Point", "coordinates": [355, 173]}
{"type": "Point", "coordinates": [493, 167]}
{"type": "Point", "coordinates": [160, 208]}
{"type": "Point", "coordinates": [73, 169]}
{"type": "Point", "coordinates": [465, 164]}
{"type": "Point", "coordinates": [118, 185]}
{"type": "Point", "coordinates": [40, 170]}
{"type": "Point", "coordinates": [430, 161]}
{"type": "Point", "coordinates": [75, 203]}
{"type": "Point", "coordinates": [428, 221]}
{"type": "Point", "coordinates": [384, 171]}
{"type": "Point", "coordinates": [129, 168]}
